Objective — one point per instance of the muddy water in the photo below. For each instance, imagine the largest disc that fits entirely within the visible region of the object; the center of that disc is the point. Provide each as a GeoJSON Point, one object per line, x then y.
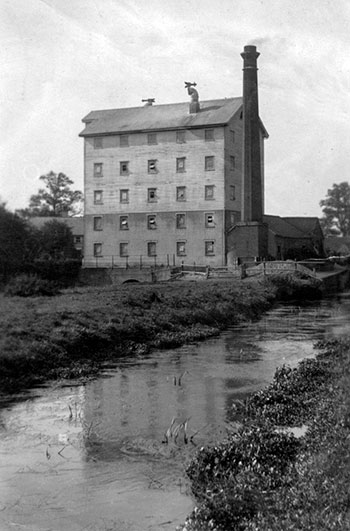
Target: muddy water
{"type": "Point", "coordinates": [91, 457]}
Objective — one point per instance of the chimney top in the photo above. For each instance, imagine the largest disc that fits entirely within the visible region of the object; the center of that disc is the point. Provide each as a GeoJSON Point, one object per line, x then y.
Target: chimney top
{"type": "Point", "coordinates": [250, 56]}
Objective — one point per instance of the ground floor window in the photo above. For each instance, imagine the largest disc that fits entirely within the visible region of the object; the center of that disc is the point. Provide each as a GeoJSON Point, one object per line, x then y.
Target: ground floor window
{"type": "Point", "coordinates": [97, 249]}
{"type": "Point", "coordinates": [123, 249]}
{"type": "Point", "coordinates": [181, 248]}
{"type": "Point", "coordinates": [209, 248]}
{"type": "Point", "coordinates": [151, 249]}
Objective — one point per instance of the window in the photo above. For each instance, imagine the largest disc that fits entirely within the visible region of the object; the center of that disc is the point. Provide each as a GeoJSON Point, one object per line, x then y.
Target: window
{"type": "Point", "coordinates": [98, 197]}
{"type": "Point", "coordinates": [181, 193]}
{"type": "Point", "coordinates": [124, 196]}
{"type": "Point", "coordinates": [123, 249]}
{"type": "Point", "coordinates": [209, 135]}
{"type": "Point", "coordinates": [232, 134]}
{"type": "Point", "coordinates": [180, 221]}
{"type": "Point", "coordinates": [152, 166]}
{"type": "Point", "coordinates": [181, 248]}
{"type": "Point", "coordinates": [124, 167]}
{"type": "Point", "coordinates": [124, 140]}
{"type": "Point", "coordinates": [151, 222]}
{"type": "Point", "coordinates": [232, 218]}
{"type": "Point", "coordinates": [124, 222]}
{"type": "Point", "coordinates": [209, 163]}
{"type": "Point", "coordinates": [151, 249]}
{"type": "Point", "coordinates": [209, 221]}
{"type": "Point", "coordinates": [152, 138]}
{"type": "Point", "coordinates": [180, 164]}
{"type": "Point", "coordinates": [209, 248]}
{"type": "Point", "coordinates": [98, 223]}
{"type": "Point", "coordinates": [78, 239]}
{"type": "Point", "coordinates": [97, 249]}
{"type": "Point", "coordinates": [209, 192]}
{"type": "Point", "coordinates": [180, 137]}
{"type": "Point", "coordinates": [232, 163]}
{"type": "Point", "coordinates": [98, 169]}
{"type": "Point", "coordinates": [232, 193]}
{"type": "Point", "coordinates": [152, 195]}
{"type": "Point", "coordinates": [98, 142]}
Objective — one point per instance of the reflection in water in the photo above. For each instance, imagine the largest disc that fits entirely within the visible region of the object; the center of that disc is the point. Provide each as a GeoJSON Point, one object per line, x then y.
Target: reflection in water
{"type": "Point", "coordinates": [92, 457]}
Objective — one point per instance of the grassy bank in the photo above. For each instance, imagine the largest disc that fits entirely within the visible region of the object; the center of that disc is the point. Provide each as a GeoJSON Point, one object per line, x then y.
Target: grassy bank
{"type": "Point", "coordinates": [263, 478]}
{"type": "Point", "coordinates": [70, 334]}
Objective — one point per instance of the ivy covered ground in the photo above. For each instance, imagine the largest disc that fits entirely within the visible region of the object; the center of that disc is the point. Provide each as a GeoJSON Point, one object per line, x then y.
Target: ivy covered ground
{"type": "Point", "coordinates": [264, 478]}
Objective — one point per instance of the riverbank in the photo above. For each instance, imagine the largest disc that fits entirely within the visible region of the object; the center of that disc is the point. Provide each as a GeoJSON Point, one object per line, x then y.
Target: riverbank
{"type": "Point", "coordinates": [264, 478]}
{"type": "Point", "coordinates": [70, 335]}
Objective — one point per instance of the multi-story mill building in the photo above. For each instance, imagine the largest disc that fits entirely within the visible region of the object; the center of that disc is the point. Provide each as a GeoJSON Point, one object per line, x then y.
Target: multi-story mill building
{"type": "Point", "coordinates": [175, 183]}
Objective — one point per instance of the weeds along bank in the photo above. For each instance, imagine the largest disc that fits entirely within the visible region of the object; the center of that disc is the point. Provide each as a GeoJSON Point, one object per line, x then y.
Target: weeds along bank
{"type": "Point", "coordinates": [70, 334]}
{"type": "Point", "coordinates": [263, 478]}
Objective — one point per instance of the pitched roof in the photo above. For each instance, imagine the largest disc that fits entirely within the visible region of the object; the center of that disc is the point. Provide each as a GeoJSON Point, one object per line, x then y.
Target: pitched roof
{"type": "Point", "coordinates": [281, 227]}
{"type": "Point", "coordinates": [160, 117]}
{"type": "Point", "coordinates": [308, 225]}
{"type": "Point", "coordinates": [76, 224]}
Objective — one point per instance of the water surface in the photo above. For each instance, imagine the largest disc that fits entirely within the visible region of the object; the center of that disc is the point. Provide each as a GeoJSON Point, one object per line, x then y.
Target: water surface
{"type": "Point", "coordinates": [92, 457]}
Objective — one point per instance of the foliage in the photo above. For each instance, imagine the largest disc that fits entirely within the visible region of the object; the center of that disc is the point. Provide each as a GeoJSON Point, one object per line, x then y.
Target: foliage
{"type": "Point", "coordinates": [230, 480]}
{"type": "Point", "coordinates": [307, 485]}
{"type": "Point", "coordinates": [336, 210]}
{"type": "Point", "coordinates": [296, 286]}
{"type": "Point", "coordinates": [55, 198]}
{"type": "Point", "coordinates": [18, 243]}
{"type": "Point", "coordinates": [30, 286]}
{"type": "Point", "coordinates": [56, 241]}
{"type": "Point", "coordinates": [287, 400]}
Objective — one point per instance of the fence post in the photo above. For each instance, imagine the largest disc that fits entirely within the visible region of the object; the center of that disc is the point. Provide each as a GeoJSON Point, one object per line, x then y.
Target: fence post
{"type": "Point", "coordinates": [126, 262]}
{"type": "Point", "coordinates": [167, 260]}
{"type": "Point", "coordinates": [140, 261]}
{"type": "Point", "coordinates": [112, 261]}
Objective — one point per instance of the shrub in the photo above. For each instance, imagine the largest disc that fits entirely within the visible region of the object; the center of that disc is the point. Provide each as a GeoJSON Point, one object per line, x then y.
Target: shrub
{"type": "Point", "coordinates": [30, 286]}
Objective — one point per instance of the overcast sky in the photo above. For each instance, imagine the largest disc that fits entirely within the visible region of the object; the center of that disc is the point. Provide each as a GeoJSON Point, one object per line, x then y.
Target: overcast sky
{"type": "Point", "coordinates": [61, 59]}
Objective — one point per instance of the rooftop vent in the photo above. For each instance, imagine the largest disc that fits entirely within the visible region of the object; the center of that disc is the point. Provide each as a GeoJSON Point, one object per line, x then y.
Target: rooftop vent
{"type": "Point", "coordinates": [194, 103]}
{"type": "Point", "coordinates": [149, 102]}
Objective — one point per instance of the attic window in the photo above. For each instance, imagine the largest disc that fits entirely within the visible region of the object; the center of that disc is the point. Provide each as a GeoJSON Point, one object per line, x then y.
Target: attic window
{"type": "Point", "coordinates": [152, 138]}
{"type": "Point", "coordinates": [209, 135]}
{"type": "Point", "coordinates": [124, 140]}
{"type": "Point", "coordinates": [180, 137]}
{"type": "Point", "coordinates": [98, 142]}
{"type": "Point", "coordinates": [232, 163]}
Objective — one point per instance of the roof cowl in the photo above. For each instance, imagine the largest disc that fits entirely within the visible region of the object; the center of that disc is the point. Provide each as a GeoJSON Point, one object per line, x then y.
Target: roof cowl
{"type": "Point", "coordinates": [194, 103]}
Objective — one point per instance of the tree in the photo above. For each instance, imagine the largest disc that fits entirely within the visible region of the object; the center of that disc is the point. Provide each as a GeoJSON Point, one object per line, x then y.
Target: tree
{"type": "Point", "coordinates": [336, 210]}
{"type": "Point", "coordinates": [18, 243]}
{"type": "Point", "coordinates": [56, 240]}
{"type": "Point", "coordinates": [55, 198]}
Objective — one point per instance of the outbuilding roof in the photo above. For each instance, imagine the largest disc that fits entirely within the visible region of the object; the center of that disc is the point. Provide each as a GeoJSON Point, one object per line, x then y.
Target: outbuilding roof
{"type": "Point", "coordinates": [161, 117]}
{"type": "Point", "coordinates": [281, 227]}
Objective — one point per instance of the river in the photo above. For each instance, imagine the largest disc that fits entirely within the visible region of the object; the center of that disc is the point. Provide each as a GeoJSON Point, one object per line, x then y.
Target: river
{"type": "Point", "coordinates": [93, 457]}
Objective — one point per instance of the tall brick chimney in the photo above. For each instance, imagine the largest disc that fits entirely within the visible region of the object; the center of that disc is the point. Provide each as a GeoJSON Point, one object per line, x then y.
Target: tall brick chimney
{"type": "Point", "coordinates": [252, 185]}
{"type": "Point", "coordinates": [248, 239]}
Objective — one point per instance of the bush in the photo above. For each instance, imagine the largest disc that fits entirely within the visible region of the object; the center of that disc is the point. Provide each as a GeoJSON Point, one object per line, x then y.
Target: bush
{"type": "Point", "coordinates": [30, 286]}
